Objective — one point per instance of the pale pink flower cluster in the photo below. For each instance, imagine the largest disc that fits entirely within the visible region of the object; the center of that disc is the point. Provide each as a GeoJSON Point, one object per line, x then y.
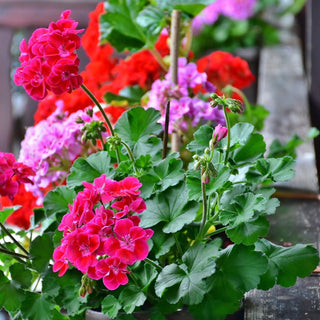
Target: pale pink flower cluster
{"type": "Point", "coordinates": [234, 9]}
{"type": "Point", "coordinates": [185, 106]}
{"type": "Point", "coordinates": [51, 146]}
{"type": "Point", "coordinates": [101, 234]}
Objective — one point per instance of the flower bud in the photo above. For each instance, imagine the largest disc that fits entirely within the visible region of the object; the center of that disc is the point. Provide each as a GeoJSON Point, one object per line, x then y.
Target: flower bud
{"type": "Point", "coordinates": [197, 165]}
{"type": "Point", "coordinates": [234, 105]}
{"type": "Point", "coordinates": [219, 133]}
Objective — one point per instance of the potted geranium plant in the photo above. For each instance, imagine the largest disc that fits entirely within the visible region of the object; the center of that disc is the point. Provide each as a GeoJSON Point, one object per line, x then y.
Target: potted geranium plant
{"type": "Point", "coordinates": [164, 209]}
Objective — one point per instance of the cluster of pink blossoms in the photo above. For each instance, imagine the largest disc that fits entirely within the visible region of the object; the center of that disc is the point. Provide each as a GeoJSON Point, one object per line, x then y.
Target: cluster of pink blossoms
{"type": "Point", "coordinates": [101, 234]}
{"type": "Point", "coordinates": [49, 60]}
{"type": "Point", "coordinates": [234, 9]}
{"type": "Point", "coordinates": [51, 146]}
{"type": "Point", "coordinates": [184, 107]}
{"type": "Point", "coordinates": [12, 174]}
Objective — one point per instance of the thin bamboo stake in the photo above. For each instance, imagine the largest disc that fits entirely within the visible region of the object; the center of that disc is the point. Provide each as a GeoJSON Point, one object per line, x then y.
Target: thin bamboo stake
{"type": "Point", "coordinates": [174, 54]}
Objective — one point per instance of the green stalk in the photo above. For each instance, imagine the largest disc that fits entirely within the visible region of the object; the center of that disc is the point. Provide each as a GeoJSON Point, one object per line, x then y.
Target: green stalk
{"type": "Point", "coordinates": [217, 231]}
{"type": "Point", "coordinates": [228, 136]}
{"type": "Point", "coordinates": [97, 103]}
{"type": "Point", "coordinates": [130, 156]}
{"type": "Point", "coordinates": [159, 268]}
{"type": "Point", "coordinates": [204, 211]}
{"type": "Point", "coordinates": [178, 245]}
{"type": "Point", "coordinates": [14, 254]}
{"type": "Point", "coordinates": [159, 59]}
{"type": "Point", "coordinates": [13, 239]}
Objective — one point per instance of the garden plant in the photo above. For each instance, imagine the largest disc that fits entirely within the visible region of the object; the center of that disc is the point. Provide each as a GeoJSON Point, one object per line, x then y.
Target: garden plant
{"type": "Point", "coordinates": [145, 184]}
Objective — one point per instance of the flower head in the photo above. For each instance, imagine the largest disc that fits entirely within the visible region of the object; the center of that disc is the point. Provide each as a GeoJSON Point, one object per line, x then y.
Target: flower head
{"type": "Point", "coordinates": [49, 60]}
{"type": "Point", "coordinates": [12, 174]}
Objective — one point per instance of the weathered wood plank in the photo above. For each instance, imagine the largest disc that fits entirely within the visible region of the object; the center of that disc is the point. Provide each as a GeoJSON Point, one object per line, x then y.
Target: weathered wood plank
{"type": "Point", "coordinates": [312, 62]}
{"type": "Point", "coordinates": [6, 121]}
{"type": "Point", "coordinates": [300, 302]}
{"type": "Point", "coordinates": [282, 89]}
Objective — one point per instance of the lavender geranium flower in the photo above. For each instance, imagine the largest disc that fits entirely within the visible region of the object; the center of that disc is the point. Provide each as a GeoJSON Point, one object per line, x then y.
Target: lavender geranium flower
{"type": "Point", "coordinates": [184, 109]}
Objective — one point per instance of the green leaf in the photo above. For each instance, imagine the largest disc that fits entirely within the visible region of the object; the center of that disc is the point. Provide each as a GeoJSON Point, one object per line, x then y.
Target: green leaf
{"type": "Point", "coordinates": [57, 200]}
{"type": "Point", "coordinates": [249, 232]}
{"type": "Point", "coordinates": [177, 284]}
{"type": "Point", "coordinates": [241, 208]}
{"type": "Point", "coordinates": [215, 183]}
{"type": "Point", "coordinates": [5, 212]}
{"type": "Point", "coordinates": [201, 139]}
{"type": "Point", "coordinates": [191, 7]}
{"type": "Point", "coordinates": [131, 24]}
{"type": "Point", "coordinates": [186, 282]}
{"type": "Point", "coordinates": [171, 207]}
{"type": "Point", "coordinates": [169, 171]}
{"type": "Point", "coordinates": [272, 170]}
{"type": "Point", "coordinates": [145, 276]}
{"type": "Point", "coordinates": [162, 243]}
{"type": "Point", "coordinates": [131, 297]}
{"type": "Point", "coordinates": [136, 127]}
{"type": "Point", "coordinates": [37, 307]}
{"type": "Point", "coordinates": [252, 150]}
{"type": "Point", "coordinates": [90, 168]}
{"type": "Point", "coordinates": [10, 295]}
{"type": "Point", "coordinates": [240, 133]}
{"type": "Point", "coordinates": [278, 150]}
{"type": "Point", "coordinates": [241, 267]}
{"type": "Point", "coordinates": [64, 289]}
{"type": "Point", "coordinates": [110, 306]}
{"type": "Point", "coordinates": [21, 276]}
{"type": "Point", "coordinates": [152, 20]}
{"type": "Point", "coordinates": [131, 95]}
{"type": "Point", "coordinates": [40, 257]}
{"type": "Point", "coordinates": [287, 263]}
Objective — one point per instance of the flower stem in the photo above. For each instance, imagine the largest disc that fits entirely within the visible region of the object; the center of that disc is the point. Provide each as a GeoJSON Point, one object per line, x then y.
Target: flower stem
{"type": "Point", "coordinates": [130, 156]}
{"type": "Point", "coordinates": [14, 254]}
{"type": "Point", "coordinates": [218, 231]}
{"type": "Point", "coordinates": [159, 58]}
{"type": "Point", "coordinates": [229, 134]}
{"type": "Point", "coordinates": [97, 103]}
{"type": "Point", "coordinates": [13, 239]}
{"type": "Point", "coordinates": [204, 211]}
{"type": "Point", "coordinates": [178, 244]}
{"type": "Point", "coordinates": [153, 264]}
{"type": "Point", "coordinates": [166, 131]}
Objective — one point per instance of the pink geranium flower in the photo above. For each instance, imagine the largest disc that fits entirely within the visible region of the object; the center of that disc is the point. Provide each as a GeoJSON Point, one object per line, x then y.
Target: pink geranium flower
{"type": "Point", "coordinates": [113, 272]}
{"type": "Point", "coordinates": [12, 174]}
{"type": "Point", "coordinates": [81, 247]}
{"type": "Point", "coordinates": [49, 60]}
{"type": "Point", "coordinates": [130, 243]}
{"type": "Point", "coordinates": [60, 261]}
{"type": "Point", "coordinates": [32, 76]}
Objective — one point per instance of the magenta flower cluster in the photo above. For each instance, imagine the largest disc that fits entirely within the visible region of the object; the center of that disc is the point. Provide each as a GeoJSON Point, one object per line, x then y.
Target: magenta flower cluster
{"type": "Point", "coordinates": [51, 146]}
{"type": "Point", "coordinates": [234, 9]}
{"type": "Point", "coordinates": [101, 233]}
{"type": "Point", "coordinates": [12, 174]}
{"type": "Point", "coordinates": [184, 108]}
{"type": "Point", "coordinates": [49, 60]}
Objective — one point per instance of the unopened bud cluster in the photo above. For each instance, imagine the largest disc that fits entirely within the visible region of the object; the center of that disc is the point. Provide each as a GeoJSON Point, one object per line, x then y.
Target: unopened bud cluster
{"type": "Point", "coordinates": [205, 162]}
{"type": "Point", "coordinates": [114, 142]}
{"type": "Point", "coordinates": [233, 105]}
